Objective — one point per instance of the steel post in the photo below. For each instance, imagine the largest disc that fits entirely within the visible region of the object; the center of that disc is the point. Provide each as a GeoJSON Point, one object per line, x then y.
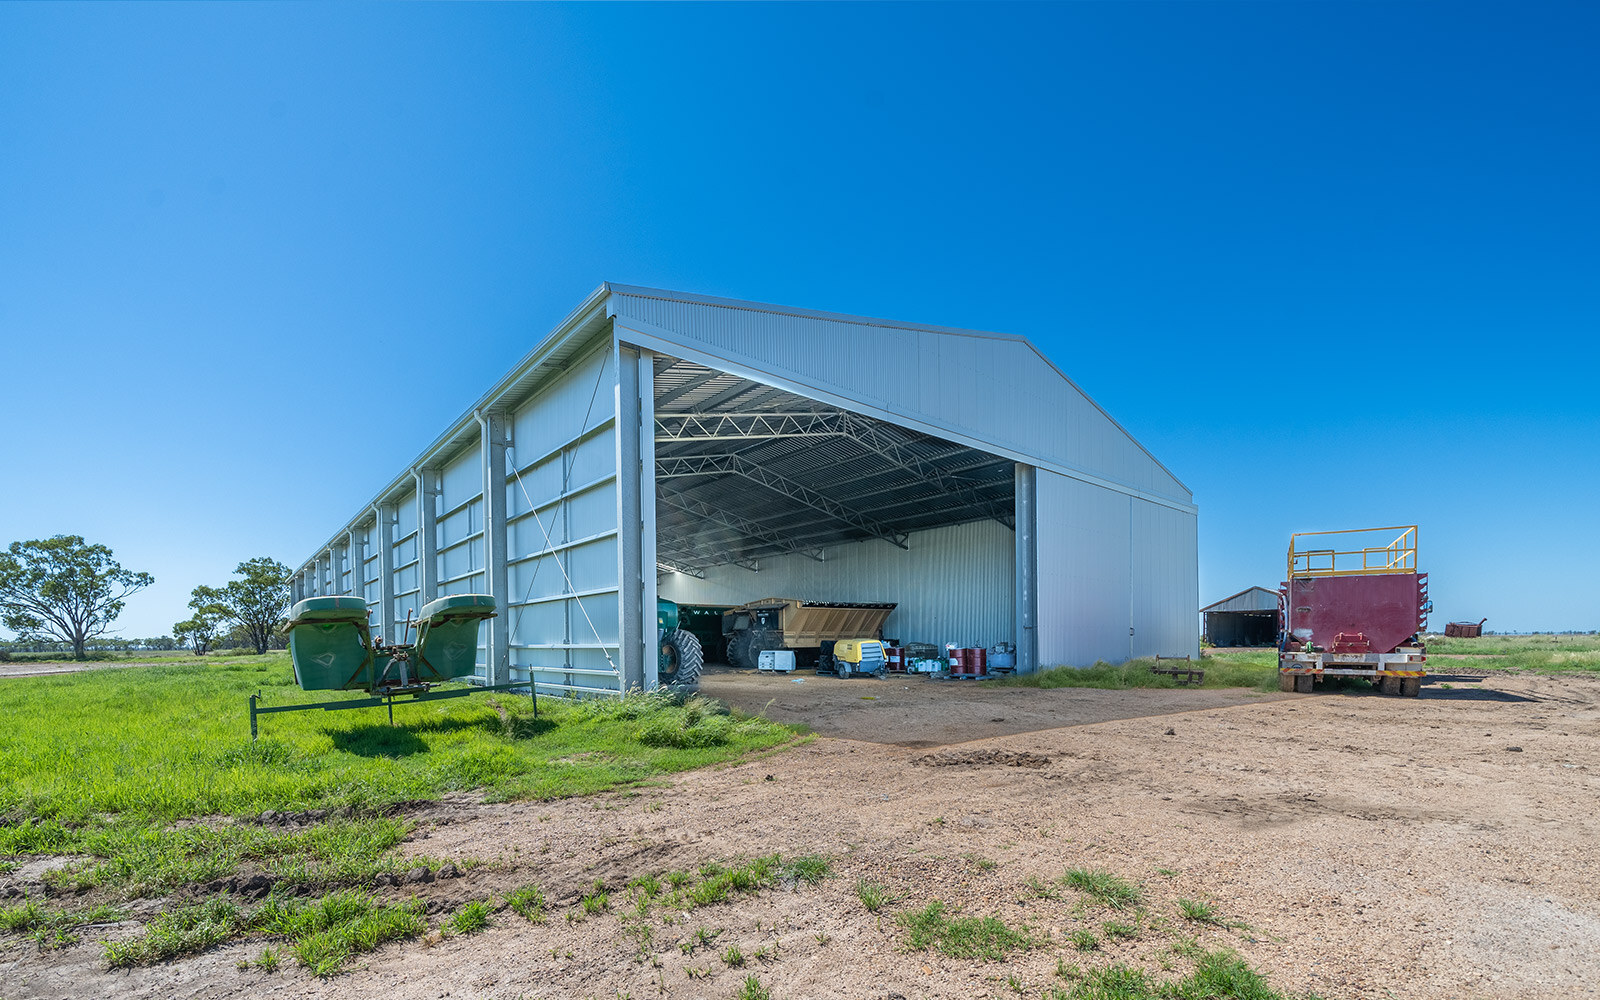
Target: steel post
{"type": "Point", "coordinates": [1027, 570]}
{"type": "Point", "coordinates": [498, 666]}
{"type": "Point", "coordinates": [385, 514]}
{"type": "Point", "coordinates": [630, 521]}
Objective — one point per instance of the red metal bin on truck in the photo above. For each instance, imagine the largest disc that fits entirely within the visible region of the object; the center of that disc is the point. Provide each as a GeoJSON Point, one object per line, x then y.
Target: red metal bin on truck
{"type": "Point", "coordinates": [1354, 606]}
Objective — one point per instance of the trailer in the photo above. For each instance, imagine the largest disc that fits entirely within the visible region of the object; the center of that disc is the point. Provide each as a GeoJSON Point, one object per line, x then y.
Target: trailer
{"type": "Point", "coordinates": [810, 628]}
{"type": "Point", "coordinates": [1464, 630]}
{"type": "Point", "coordinates": [1354, 605]}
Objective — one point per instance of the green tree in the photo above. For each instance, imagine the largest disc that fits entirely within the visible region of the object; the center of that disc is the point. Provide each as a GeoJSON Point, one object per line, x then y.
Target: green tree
{"type": "Point", "coordinates": [210, 611]}
{"type": "Point", "coordinates": [63, 589]}
{"type": "Point", "coordinates": [257, 602]}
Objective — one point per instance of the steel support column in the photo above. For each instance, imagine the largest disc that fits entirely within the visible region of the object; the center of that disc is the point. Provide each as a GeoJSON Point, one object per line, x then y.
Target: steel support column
{"type": "Point", "coordinates": [498, 669]}
{"type": "Point", "coordinates": [427, 533]}
{"type": "Point", "coordinates": [355, 545]}
{"type": "Point", "coordinates": [631, 432]}
{"type": "Point", "coordinates": [647, 514]}
{"type": "Point", "coordinates": [387, 519]}
{"type": "Point", "coordinates": [1027, 570]}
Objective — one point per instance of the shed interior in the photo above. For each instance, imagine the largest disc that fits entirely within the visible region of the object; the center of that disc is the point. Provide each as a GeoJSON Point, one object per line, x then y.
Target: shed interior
{"type": "Point", "coordinates": [1242, 628]}
{"type": "Point", "coordinates": [763, 492]}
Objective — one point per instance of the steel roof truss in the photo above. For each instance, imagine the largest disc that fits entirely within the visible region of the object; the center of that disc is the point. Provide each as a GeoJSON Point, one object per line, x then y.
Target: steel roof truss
{"type": "Point", "coordinates": [738, 465]}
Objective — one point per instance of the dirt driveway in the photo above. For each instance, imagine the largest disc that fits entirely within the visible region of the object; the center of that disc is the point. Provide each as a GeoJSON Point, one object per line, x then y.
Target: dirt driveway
{"type": "Point", "coordinates": [918, 712]}
{"type": "Point", "coordinates": [1355, 846]}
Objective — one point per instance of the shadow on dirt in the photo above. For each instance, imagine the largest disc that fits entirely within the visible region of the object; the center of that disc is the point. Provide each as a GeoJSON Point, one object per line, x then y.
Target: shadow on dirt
{"type": "Point", "coordinates": [1434, 692]}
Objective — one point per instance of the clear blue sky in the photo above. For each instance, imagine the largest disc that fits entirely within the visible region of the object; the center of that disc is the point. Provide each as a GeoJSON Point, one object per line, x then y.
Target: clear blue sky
{"type": "Point", "coordinates": [1335, 264]}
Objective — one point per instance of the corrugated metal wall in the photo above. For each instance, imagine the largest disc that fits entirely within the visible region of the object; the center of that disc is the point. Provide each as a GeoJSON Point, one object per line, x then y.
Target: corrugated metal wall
{"type": "Point", "coordinates": [561, 536]}
{"type": "Point", "coordinates": [1117, 575]}
{"type": "Point", "coordinates": [561, 524]}
{"type": "Point", "coordinates": [1116, 531]}
{"type": "Point", "coordinates": [953, 584]}
{"type": "Point", "coordinates": [1014, 398]}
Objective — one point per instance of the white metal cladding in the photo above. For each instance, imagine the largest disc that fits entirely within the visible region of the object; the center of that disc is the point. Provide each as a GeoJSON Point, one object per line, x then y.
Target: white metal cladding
{"type": "Point", "coordinates": [1115, 541]}
{"type": "Point", "coordinates": [1115, 575]}
{"type": "Point", "coordinates": [1254, 599]}
{"type": "Point", "coordinates": [992, 391]}
{"type": "Point", "coordinates": [953, 584]}
{"type": "Point", "coordinates": [407, 570]}
{"type": "Point", "coordinates": [458, 516]}
{"type": "Point", "coordinates": [561, 525]}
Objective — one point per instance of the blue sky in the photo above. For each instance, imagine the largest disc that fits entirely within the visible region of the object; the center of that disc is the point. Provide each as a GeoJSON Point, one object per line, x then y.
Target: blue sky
{"type": "Point", "coordinates": [1335, 264]}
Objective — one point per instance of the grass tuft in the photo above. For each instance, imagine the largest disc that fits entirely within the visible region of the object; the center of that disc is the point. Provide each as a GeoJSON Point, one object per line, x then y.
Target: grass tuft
{"type": "Point", "coordinates": [873, 896]}
{"type": "Point", "coordinates": [1104, 888]}
{"type": "Point", "coordinates": [751, 989]}
{"type": "Point", "coordinates": [527, 902]}
{"type": "Point", "coordinates": [471, 918]}
{"type": "Point", "coordinates": [962, 937]}
{"type": "Point", "coordinates": [1198, 911]}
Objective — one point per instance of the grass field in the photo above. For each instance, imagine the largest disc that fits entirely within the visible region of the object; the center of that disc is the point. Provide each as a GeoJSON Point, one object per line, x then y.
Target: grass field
{"type": "Point", "coordinates": [169, 742]}
{"type": "Point", "coordinates": [1256, 669]}
{"type": "Point", "coordinates": [134, 772]}
{"type": "Point", "coordinates": [1545, 653]}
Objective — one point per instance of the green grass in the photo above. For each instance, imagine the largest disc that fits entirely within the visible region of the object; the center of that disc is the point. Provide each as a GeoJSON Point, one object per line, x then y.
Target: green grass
{"type": "Point", "coordinates": [751, 989]}
{"type": "Point", "coordinates": [1198, 911]}
{"type": "Point", "coordinates": [1115, 931]}
{"type": "Point", "coordinates": [874, 896]}
{"type": "Point", "coordinates": [962, 937]}
{"type": "Point", "coordinates": [136, 860]}
{"type": "Point", "coordinates": [527, 902]}
{"type": "Point", "coordinates": [471, 918]}
{"type": "Point", "coordinates": [1500, 645]}
{"type": "Point", "coordinates": [1256, 669]}
{"type": "Point", "coordinates": [733, 958]}
{"type": "Point", "coordinates": [1104, 888]}
{"type": "Point", "coordinates": [168, 742]}
{"type": "Point", "coordinates": [1218, 975]}
{"type": "Point", "coordinates": [1084, 940]}
{"type": "Point", "coordinates": [52, 927]}
{"type": "Point", "coordinates": [324, 933]}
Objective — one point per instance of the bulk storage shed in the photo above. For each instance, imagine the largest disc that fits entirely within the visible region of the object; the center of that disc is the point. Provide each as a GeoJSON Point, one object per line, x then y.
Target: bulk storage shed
{"type": "Point", "coordinates": [1248, 618]}
{"type": "Point", "coordinates": [719, 451]}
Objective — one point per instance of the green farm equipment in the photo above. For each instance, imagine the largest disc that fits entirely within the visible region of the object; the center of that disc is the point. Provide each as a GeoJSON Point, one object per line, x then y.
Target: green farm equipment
{"type": "Point", "coordinates": [333, 649]}
{"type": "Point", "coordinates": [679, 657]}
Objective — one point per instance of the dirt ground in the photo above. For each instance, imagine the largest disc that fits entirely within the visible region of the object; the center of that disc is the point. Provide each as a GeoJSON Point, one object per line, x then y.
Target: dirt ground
{"type": "Point", "coordinates": [914, 711]}
{"type": "Point", "coordinates": [1440, 847]}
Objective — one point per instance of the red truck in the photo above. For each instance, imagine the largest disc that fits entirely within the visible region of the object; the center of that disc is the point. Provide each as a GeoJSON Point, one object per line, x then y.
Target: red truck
{"type": "Point", "coordinates": [1354, 606]}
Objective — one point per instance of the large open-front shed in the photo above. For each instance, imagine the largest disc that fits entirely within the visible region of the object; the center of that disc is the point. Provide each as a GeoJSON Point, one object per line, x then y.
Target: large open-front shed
{"type": "Point", "coordinates": [717, 452]}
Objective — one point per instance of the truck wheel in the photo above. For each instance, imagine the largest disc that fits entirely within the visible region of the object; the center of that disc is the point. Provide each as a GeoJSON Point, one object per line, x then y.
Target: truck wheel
{"type": "Point", "coordinates": [1410, 687]}
{"type": "Point", "coordinates": [735, 647]}
{"type": "Point", "coordinates": [1389, 685]}
{"type": "Point", "coordinates": [679, 668]}
{"type": "Point", "coordinates": [1303, 682]}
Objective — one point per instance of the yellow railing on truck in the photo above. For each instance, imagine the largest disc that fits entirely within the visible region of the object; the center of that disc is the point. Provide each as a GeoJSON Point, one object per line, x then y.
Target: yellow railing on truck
{"type": "Point", "coordinates": [1396, 554]}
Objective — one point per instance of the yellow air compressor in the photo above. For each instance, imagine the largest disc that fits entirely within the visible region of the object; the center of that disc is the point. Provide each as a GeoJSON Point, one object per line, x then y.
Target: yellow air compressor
{"type": "Point", "coordinates": [854, 657]}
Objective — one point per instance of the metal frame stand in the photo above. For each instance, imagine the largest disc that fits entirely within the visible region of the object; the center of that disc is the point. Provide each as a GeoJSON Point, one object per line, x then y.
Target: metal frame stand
{"type": "Point", "coordinates": [387, 700]}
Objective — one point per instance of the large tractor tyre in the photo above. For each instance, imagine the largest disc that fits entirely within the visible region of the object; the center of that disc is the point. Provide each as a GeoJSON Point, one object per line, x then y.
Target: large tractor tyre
{"type": "Point", "coordinates": [736, 648]}
{"type": "Point", "coordinates": [681, 660]}
{"type": "Point", "coordinates": [762, 639]}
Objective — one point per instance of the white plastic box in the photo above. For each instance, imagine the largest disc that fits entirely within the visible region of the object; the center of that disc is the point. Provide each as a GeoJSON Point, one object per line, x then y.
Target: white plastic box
{"type": "Point", "coordinates": [779, 660]}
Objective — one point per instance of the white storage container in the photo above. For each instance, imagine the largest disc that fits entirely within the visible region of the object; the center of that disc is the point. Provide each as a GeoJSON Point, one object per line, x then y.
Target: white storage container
{"type": "Point", "coordinates": [780, 660]}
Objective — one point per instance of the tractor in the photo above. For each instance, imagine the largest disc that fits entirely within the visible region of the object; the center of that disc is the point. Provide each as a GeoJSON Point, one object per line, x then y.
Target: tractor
{"type": "Point", "coordinates": [678, 654]}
